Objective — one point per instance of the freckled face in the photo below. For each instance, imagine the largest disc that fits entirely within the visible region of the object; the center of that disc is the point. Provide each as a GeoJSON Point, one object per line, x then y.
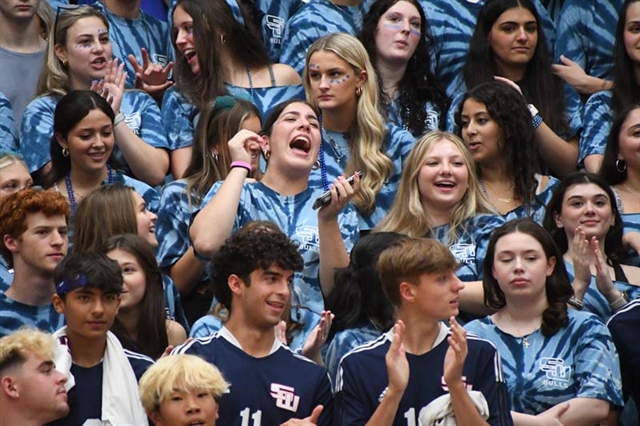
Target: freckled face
{"type": "Point", "coordinates": [333, 81]}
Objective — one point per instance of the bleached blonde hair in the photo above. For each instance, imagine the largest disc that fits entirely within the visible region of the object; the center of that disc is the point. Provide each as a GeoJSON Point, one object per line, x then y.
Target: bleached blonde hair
{"type": "Point", "coordinates": [16, 347]}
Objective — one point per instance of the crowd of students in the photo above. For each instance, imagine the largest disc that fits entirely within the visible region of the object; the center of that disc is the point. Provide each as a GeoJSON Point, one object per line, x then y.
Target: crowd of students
{"type": "Point", "coordinates": [166, 259]}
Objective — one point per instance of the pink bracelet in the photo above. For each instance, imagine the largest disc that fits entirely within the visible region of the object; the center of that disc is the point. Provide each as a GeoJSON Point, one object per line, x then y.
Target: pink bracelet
{"type": "Point", "coordinates": [242, 164]}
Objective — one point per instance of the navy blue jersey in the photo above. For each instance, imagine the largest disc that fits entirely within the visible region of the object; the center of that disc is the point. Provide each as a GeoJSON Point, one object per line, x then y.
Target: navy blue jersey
{"type": "Point", "coordinates": [264, 391]}
{"type": "Point", "coordinates": [624, 326]}
{"type": "Point", "coordinates": [362, 380]}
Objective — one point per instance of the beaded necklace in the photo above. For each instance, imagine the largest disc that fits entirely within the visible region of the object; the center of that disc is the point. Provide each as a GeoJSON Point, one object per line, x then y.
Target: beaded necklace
{"type": "Point", "coordinates": [71, 192]}
{"type": "Point", "coordinates": [131, 72]}
{"type": "Point", "coordinates": [250, 84]}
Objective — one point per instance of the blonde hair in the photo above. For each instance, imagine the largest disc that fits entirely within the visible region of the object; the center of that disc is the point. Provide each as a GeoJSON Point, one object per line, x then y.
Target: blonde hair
{"type": "Point", "coordinates": [185, 372]}
{"type": "Point", "coordinates": [367, 135]}
{"type": "Point", "coordinates": [16, 347]}
{"type": "Point", "coordinates": [9, 158]}
{"type": "Point", "coordinates": [54, 77]}
{"type": "Point", "coordinates": [408, 215]}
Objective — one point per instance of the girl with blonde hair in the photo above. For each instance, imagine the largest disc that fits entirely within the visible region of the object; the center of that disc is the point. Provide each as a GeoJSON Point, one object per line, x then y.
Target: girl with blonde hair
{"type": "Point", "coordinates": [341, 82]}
{"type": "Point", "coordinates": [439, 197]}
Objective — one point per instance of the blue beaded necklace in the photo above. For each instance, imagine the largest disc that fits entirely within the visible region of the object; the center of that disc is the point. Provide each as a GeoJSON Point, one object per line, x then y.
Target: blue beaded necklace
{"type": "Point", "coordinates": [71, 194]}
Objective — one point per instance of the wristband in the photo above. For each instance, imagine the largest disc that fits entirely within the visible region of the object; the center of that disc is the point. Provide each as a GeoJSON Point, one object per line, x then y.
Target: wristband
{"type": "Point", "coordinates": [619, 303]}
{"type": "Point", "coordinates": [242, 164]}
{"type": "Point", "coordinates": [119, 119]}
{"type": "Point", "coordinates": [536, 121]}
{"type": "Point", "coordinates": [575, 303]}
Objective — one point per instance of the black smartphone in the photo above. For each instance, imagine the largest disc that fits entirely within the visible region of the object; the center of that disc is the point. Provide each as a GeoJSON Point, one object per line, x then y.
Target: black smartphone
{"type": "Point", "coordinates": [325, 198]}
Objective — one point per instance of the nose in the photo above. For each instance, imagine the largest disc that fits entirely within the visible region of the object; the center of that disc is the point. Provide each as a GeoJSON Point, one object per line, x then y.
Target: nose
{"type": "Point", "coordinates": [61, 377]}
{"type": "Point", "coordinates": [518, 266]}
{"type": "Point", "coordinates": [405, 26]}
{"type": "Point", "coordinates": [192, 405]}
{"type": "Point", "coordinates": [324, 82]}
{"type": "Point", "coordinates": [445, 168]}
{"type": "Point", "coordinates": [98, 308]}
{"type": "Point", "coordinates": [458, 285]}
{"type": "Point", "coordinates": [589, 207]}
{"type": "Point", "coordinates": [57, 238]}
{"type": "Point", "coordinates": [153, 216]}
{"type": "Point", "coordinates": [522, 34]}
{"type": "Point", "coordinates": [181, 38]}
{"type": "Point", "coordinates": [97, 46]}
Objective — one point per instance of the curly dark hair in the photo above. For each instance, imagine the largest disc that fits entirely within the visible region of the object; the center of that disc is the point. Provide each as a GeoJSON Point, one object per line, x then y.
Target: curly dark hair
{"type": "Point", "coordinates": [245, 252]}
{"type": "Point", "coordinates": [609, 171]}
{"type": "Point", "coordinates": [614, 249]}
{"type": "Point", "coordinates": [505, 105]}
{"type": "Point", "coordinates": [540, 85]}
{"type": "Point", "coordinates": [626, 89]}
{"type": "Point", "coordinates": [358, 295]}
{"type": "Point", "coordinates": [557, 287]}
{"type": "Point", "coordinates": [419, 84]}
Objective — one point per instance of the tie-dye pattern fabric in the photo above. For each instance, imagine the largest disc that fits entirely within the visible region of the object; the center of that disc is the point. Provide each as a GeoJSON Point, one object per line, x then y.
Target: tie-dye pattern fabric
{"type": "Point", "coordinates": [14, 315]}
{"type": "Point", "coordinates": [579, 361]}
{"type": "Point", "coordinates": [597, 116]}
{"type": "Point", "coordinates": [8, 128]}
{"type": "Point", "coordinates": [344, 342]}
{"type": "Point", "coordinates": [141, 113]}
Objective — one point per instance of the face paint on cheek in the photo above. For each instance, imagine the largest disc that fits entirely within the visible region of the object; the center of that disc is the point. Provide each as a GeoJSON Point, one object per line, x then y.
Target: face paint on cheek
{"type": "Point", "coordinates": [392, 27]}
{"type": "Point", "coordinates": [346, 77]}
{"type": "Point", "coordinates": [84, 46]}
{"type": "Point", "coordinates": [415, 33]}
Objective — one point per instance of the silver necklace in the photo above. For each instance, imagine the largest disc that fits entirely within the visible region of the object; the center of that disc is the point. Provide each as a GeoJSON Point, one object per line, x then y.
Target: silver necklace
{"type": "Point", "coordinates": [336, 149]}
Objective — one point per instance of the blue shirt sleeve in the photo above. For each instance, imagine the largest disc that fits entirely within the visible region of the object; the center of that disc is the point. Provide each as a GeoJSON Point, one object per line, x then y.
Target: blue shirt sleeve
{"type": "Point", "coordinates": [36, 131]}
{"type": "Point", "coordinates": [598, 118]}
{"type": "Point", "coordinates": [178, 116]}
{"type": "Point", "coordinates": [8, 129]}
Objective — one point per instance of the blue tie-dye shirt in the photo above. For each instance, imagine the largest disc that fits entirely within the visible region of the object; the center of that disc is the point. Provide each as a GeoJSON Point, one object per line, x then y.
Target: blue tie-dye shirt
{"type": "Point", "coordinates": [14, 315]}
{"type": "Point", "coordinates": [586, 34]}
{"type": "Point", "coordinates": [597, 116]}
{"type": "Point", "coordinates": [316, 19]}
{"type": "Point", "coordinates": [8, 129]}
{"type": "Point", "coordinates": [336, 150]}
{"type": "Point", "coordinates": [141, 113]}
{"type": "Point", "coordinates": [128, 36]}
{"type": "Point", "coordinates": [579, 361]}
{"type": "Point", "coordinates": [295, 217]}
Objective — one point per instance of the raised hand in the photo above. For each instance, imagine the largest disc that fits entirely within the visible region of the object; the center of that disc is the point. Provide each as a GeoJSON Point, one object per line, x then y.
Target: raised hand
{"type": "Point", "coordinates": [456, 354]}
{"type": "Point", "coordinates": [341, 194]}
{"type": "Point", "coordinates": [243, 145]}
{"type": "Point", "coordinates": [396, 361]}
{"type": "Point", "coordinates": [151, 77]}
{"type": "Point", "coordinates": [318, 337]}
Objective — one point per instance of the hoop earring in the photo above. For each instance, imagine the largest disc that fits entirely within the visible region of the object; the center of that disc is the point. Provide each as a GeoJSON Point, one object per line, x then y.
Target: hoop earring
{"type": "Point", "coordinates": [359, 91]}
{"type": "Point", "coordinates": [223, 39]}
{"type": "Point", "coordinates": [267, 154]}
{"type": "Point", "coordinates": [621, 165]}
{"type": "Point", "coordinates": [65, 152]}
{"type": "Point", "coordinates": [316, 165]}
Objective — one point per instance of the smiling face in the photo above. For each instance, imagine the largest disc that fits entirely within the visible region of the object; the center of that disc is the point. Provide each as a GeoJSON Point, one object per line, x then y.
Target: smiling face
{"type": "Point", "coordinates": [264, 300]}
{"type": "Point", "coordinates": [629, 140]}
{"type": "Point", "coordinates": [588, 206]}
{"type": "Point", "coordinates": [520, 266]}
{"type": "Point", "coordinates": [481, 133]}
{"type": "Point", "coordinates": [134, 279]}
{"type": "Point", "coordinates": [398, 33]}
{"type": "Point", "coordinates": [295, 138]}
{"type": "Point", "coordinates": [183, 408]}
{"type": "Point", "coordinates": [632, 32]}
{"type": "Point", "coordinates": [145, 219]}
{"type": "Point", "coordinates": [513, 39]}
{"type": "Point", "coordinates": [333, 81]}
{"type": "Point", "coordinates": [183, 28]}
{"type": "Point", "coordinates": [87, 51]}
{"type": "Point", "coordinates": [90, 143]}
{"type": "Point", "coordinates": [444, 177]}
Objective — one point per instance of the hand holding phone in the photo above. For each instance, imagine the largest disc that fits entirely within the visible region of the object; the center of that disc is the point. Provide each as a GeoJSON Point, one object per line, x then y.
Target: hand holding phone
{"type": "Point", "coordinates": [325, 198]}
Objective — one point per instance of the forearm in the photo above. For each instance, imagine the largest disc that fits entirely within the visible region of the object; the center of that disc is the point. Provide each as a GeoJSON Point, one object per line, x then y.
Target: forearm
{"type": "Point", "coordinates": [180, 160]}
{"type": "Point", "coordinates": [221, 211]}
{"type": "Point", "coordinates": [333, 253]}
{"type": "Point", "coordinates": [186, 272]}
{"type": "Point", "coordinates": [463, 407]}
{"type": "Point", "coordinates": [148, 164]}
{"type": "Point", "coordinates": [591, 85]}
{"type": "Point", "coordinates": [386, 411]}
{"type": "Point", "coordinates": [471, 299]}
{"type": "Point", "coordinates": [593, 162]}
{"type": "Point", "coordinates": [585, 411]}
{"type": "Point", "coordinates": [560, 155]}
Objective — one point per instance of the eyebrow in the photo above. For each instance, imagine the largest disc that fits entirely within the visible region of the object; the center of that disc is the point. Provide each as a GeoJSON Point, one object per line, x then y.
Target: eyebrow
{"type": "Point", "coordinates": [47, 363]}
{"type": "Point", "coordinates": [298, 114]}
{"type": "Point", "coordinates": [594, 196]}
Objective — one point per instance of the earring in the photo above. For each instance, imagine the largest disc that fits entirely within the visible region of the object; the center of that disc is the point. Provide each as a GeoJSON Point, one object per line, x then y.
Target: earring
{"type": "Point", "coordinates": [223, 39]}
{"type": "Point", "coordinates": [267, 154]}
{"type": "Point", "coordinates": [621, 165]}
{"type": "Point", "coordinates": [65, 152]}
{"type": "Point", "coordinates": [214, 155]}
{"type": "Point", "coordinates": [359, 91]}
{"type": "Point", "coordinates": [316, 165]}
{"type": "Point", "coordinates": [65, 63]}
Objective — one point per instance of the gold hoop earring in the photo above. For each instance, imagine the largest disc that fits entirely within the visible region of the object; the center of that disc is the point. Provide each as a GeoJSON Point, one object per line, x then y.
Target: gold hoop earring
{"type": "Point", "coordinates": [65, 152]}
{"type": "Point", "coordinates": [267, 154]}
{"type": "Point", "coordinates": [359, 91]}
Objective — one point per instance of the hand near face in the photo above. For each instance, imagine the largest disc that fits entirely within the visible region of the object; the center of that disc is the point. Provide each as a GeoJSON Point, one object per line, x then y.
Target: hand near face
{"type": "Point", "coordinates": [456, 354]}
{"type": "Point", "coordinates": [243, 144]}
{"type": "Point", "coordinates": [581, 263]}
{"type": "Point", "coordinates": [396, 360]}
{"type": "Point", "coordinates": [150, 77]}
{"type": "Point", "coordinates": [341, 194]}
{"type": "Point", "coordinates": [114, 81]}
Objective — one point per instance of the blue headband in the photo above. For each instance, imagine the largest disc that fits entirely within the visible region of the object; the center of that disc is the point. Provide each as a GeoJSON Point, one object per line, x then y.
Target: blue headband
{"type": "Point", "coordinates": [235, 9]}
{"type": "Point", "coordinates": [69, 284]}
